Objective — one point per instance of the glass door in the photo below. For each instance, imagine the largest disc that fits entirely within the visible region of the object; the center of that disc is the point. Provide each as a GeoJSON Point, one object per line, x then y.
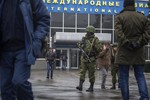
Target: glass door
{"type": "Point", "coordinates": [64, 59]}
{"type": "Point", "coordinates": [59, 59]}
{"type": "Point", "coordinates": [58, 62]}
{"type": "Point", "coordinates": [74, 58]}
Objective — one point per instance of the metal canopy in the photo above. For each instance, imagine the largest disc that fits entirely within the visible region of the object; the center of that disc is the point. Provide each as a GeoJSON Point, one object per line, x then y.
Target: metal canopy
{"type": "Point", "coordinates": [65, 37]}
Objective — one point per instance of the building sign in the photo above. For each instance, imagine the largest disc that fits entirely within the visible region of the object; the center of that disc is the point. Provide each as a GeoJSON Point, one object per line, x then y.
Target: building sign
{"type": "Point", "coordinates": [92, 6]}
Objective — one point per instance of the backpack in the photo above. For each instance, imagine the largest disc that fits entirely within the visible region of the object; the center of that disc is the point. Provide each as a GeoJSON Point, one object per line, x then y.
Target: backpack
{"type": "Point", "coordinates": [44, 42]}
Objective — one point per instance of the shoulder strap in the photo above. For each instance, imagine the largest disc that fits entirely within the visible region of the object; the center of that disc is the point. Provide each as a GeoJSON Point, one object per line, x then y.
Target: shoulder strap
{"type": "Point", "coordinates": [91, 44]}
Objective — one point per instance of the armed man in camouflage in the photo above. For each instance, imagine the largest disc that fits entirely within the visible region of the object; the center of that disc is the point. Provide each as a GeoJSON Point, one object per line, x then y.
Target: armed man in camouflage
{"type": "Point", "coordinates": [114, 67]}
{"type": "Point", "coordinates": [90, 46]}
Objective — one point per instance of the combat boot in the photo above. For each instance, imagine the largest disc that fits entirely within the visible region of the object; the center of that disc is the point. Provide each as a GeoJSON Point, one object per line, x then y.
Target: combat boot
{"type": "Point", "coordinates": [80, 85]}
{"type": "Point", "coordinates": [113, 87]}
{"type": "Point", "coordinates": [90, 89]}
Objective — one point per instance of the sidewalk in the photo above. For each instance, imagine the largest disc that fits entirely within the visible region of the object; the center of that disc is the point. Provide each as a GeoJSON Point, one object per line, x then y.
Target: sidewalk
{"type": "Point", "coordinates": [62, 86]}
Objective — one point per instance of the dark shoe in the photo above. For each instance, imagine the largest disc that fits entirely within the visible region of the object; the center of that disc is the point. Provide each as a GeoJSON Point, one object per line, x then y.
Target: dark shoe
{"type": "Point", "coordinates": [79, 88]}
{"type": "Point", "coordinates": [90, 89]}
{"type": "Point", "coordinates": [47, 77]}
{"type": "Point", "coordinates": [113, 87]}
{"type": "Point", "coordinates": [80, 85]}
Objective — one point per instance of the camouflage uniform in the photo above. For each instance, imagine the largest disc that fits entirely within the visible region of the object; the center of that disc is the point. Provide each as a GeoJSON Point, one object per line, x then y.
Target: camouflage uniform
{"type": "Point", "coordinates": [91, 45]}
{"type": "Point", "coordinates": [114, 67]}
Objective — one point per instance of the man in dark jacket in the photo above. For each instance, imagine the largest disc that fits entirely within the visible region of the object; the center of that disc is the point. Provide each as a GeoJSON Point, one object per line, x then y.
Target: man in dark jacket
{"type": "Point", "coordinates": [132, 29]}
{"type": "Point", "coordinates": [50, 58]}
{"type": "Point", "coordinates": [23, 27]}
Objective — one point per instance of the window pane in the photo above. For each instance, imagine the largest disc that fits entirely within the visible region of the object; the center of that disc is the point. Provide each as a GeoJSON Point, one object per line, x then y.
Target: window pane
{"type": "Point", "coordinates": [97, 31]}
{"type": "Point", "coordinates": [107, 31]}
{"type": "Point", "coordinates": [107, 21]}
{"type": "Point", "coordinates": [56, 19]}
{"type": "Point", "coordinates": [95, 20]}
{"type": "Point", "coordinates": [58, 53]}
{"type": "Point", "coordinates": [69, 20]}
{"type": "Point", "coordinates": [82, 20]}
{"type": "Point", "coordinates": [69, 30]}
{"type": "Point", "coordinates": [81, 30]}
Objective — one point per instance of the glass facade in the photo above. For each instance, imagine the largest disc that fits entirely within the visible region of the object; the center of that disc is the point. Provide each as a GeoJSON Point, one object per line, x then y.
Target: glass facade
{"type": "Point", "coordinates": [74, 22]}
{"type": "Point", "coordinates": [70, 22]}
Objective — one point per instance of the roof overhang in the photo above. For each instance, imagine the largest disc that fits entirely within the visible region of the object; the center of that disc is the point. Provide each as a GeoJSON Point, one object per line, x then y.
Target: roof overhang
{"type": "Point", "coordinates": [71, 37]}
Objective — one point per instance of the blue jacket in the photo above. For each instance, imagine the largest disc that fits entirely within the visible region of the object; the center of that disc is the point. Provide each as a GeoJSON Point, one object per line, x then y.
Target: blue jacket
{"type": "Point", "coordinates": [37, 26]}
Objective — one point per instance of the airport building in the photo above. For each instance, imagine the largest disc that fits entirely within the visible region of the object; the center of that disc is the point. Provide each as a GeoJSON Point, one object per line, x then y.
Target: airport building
{"type": "Point", "coordinates": [69, 18]}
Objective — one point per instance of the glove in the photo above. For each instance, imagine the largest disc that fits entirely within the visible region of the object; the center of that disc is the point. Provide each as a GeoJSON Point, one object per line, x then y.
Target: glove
{"type": "Point", "coordinates": [132, 46]}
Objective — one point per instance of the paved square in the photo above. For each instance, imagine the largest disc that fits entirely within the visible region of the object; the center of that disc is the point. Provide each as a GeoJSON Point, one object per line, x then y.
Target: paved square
{"type": "Point", "coordinates": [63, 86]}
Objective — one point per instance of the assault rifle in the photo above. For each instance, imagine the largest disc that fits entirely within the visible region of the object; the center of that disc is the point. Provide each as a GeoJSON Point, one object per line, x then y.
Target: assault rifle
{"type": "Point", "coordinates": [88, 58]}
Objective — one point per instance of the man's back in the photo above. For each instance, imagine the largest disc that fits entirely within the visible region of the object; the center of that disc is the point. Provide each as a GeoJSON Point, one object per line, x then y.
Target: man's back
{"type": "Point", "coordinates": [131, 26]}
{"type": "Point", "coordinates": [133, 23]}
{"type": "Point", "coordinates": [50, 56]}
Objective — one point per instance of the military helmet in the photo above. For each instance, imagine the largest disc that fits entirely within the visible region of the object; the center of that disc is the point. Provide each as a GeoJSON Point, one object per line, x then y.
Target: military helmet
{"type": "Point", "coordinates": [90, 29]}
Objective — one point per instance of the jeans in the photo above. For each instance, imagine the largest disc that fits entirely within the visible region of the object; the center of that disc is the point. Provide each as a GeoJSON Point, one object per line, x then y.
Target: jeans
{"type": "Point", "coordinates": [14, 75]}
{"type": "Point", "coordinates": [140, 78]}
{"type": "Point", "coordinates": [50, 67]}
{"type": "Point", "coordinates": [104, 76]}
{"type": "Point", "coordinates": [64, 64]}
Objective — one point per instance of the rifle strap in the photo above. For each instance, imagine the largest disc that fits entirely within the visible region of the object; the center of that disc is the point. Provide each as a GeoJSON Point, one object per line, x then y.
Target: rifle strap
{"type": "Point", "coordinates": [91, 44]}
